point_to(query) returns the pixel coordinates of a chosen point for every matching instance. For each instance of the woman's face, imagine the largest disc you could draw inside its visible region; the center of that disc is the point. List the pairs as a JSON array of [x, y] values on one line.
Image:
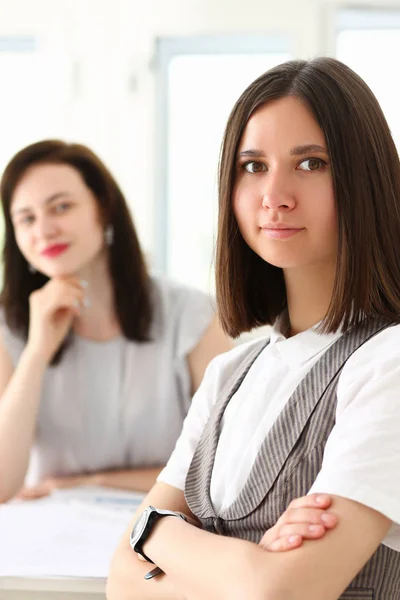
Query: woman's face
[[56, 220], [283, 194]]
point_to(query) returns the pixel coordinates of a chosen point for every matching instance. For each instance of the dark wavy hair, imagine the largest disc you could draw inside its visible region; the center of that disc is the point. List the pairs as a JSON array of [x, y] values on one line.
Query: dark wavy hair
[[128, 270], [366, 180]]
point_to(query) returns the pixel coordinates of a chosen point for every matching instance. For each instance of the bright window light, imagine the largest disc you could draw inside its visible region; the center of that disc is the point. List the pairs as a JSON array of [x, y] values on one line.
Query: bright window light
[[202, 90], [369, 42]]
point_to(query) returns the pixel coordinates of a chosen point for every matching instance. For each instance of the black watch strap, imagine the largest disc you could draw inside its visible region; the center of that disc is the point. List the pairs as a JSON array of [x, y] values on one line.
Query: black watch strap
[[154, 516]]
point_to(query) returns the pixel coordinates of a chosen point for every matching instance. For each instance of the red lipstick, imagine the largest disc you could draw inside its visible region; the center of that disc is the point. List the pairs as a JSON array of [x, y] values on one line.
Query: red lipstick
[[56, 250]]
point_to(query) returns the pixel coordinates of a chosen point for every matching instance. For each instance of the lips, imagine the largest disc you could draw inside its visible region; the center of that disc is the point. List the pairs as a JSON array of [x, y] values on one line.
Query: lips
[[280, 232], [55, 250], [279, 226]]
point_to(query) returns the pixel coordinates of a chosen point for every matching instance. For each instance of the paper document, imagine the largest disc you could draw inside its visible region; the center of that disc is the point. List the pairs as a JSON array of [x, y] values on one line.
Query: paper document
[[73, 533], [94, 496]]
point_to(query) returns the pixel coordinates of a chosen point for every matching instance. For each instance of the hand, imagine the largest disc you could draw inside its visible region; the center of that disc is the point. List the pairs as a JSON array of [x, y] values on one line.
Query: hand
[[52, 310], [45, 487], [304, 519]]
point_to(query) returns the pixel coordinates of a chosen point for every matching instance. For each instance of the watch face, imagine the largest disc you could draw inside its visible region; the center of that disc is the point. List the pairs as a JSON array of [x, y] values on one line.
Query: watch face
[[138, 528]]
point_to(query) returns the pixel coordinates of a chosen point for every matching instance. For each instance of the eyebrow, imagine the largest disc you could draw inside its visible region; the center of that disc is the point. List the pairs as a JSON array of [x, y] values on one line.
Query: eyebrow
[[307, 148], [295, 151], [252, 153], [48, 200]]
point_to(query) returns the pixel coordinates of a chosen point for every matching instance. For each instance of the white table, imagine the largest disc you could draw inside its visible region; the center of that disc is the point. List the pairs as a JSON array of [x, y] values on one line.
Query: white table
[[71, 588], [71, 535]]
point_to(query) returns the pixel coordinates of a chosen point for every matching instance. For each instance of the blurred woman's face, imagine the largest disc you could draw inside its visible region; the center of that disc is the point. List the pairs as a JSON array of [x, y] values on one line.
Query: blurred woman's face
[[57, 221]]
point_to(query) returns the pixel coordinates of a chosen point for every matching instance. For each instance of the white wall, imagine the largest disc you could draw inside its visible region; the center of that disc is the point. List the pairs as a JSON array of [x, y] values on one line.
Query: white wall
[[109, 47]]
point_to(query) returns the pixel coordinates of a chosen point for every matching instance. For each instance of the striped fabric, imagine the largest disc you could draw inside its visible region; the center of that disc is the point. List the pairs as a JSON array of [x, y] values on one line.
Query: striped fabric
[[288, 462]]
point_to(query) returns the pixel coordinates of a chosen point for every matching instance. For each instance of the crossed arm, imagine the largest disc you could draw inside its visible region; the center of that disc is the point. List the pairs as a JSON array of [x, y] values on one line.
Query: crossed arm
[[202, 565]]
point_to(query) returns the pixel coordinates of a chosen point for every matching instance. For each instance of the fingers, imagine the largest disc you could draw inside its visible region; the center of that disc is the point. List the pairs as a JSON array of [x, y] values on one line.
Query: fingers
[[81, 284], [46, 487], [292, 535], [311, 501], [60, 294], [312, 516], [311, 509], [285, 543], [306, 518], [72, 294], [70, 301], [305, 530], [71, 287], [33, 493]]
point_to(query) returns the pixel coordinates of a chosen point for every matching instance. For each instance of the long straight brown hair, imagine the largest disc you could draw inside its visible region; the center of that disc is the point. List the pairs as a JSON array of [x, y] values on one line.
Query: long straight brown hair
[[127, 266], [366, 181]]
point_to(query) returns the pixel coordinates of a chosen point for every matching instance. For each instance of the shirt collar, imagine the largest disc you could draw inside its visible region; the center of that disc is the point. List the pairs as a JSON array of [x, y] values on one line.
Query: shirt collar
[[302, 347]]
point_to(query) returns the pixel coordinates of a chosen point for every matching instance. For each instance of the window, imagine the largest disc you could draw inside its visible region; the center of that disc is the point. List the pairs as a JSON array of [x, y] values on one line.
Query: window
[[199, 81], [369, 42], [35, 97]]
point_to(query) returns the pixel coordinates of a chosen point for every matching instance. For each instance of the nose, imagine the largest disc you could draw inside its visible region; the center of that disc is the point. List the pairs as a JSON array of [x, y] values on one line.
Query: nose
[[276, 192], [45, 227]]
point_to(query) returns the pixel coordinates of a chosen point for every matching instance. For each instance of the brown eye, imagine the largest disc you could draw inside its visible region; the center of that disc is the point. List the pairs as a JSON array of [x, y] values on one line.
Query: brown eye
[[311, 164], [314, 164], [26, 220], [254, 167], [61, 208]]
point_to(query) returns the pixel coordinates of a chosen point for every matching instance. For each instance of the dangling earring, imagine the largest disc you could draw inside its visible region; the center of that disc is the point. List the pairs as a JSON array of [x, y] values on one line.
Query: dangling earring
[[109, 235], [31, 269]]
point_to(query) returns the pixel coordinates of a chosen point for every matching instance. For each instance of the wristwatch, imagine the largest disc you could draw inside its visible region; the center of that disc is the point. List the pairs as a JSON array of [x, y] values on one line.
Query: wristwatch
[[144, 526]]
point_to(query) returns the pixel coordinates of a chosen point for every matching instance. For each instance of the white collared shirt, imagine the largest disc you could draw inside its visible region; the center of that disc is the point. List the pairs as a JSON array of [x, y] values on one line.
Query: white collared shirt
[[362, 455]]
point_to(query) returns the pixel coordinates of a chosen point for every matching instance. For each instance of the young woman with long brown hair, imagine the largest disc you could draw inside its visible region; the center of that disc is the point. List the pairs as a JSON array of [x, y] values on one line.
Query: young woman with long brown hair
[[309, 230], [98, 359]]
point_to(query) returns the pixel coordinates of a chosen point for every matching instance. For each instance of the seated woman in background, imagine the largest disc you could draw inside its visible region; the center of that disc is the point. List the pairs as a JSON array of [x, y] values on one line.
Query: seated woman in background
[[308, 241], [98, 360]]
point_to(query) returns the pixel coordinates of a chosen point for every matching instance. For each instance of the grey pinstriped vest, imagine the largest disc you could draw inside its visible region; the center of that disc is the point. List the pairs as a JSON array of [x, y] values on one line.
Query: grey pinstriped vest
[[288, 462]]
